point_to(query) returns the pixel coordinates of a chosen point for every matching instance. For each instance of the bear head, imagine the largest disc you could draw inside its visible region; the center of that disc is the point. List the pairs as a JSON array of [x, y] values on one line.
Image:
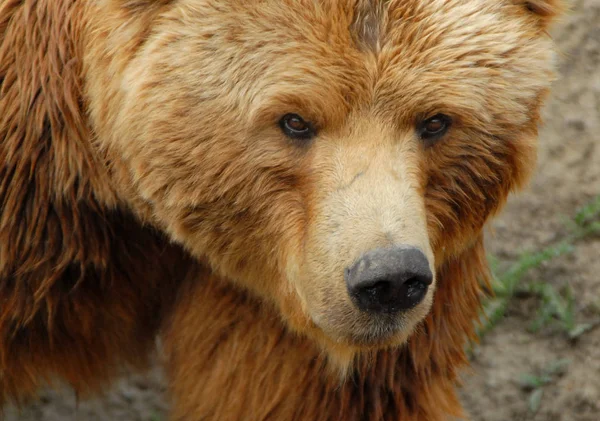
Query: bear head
[[327, 156]]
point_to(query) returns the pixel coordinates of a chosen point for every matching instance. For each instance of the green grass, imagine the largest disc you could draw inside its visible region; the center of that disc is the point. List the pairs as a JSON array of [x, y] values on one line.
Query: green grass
[[534, 383], [556, 307]]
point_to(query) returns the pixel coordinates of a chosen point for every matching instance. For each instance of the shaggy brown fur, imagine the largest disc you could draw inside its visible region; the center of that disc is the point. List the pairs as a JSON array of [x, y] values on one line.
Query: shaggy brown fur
[[125, 124], [230, 359], [82, 284]]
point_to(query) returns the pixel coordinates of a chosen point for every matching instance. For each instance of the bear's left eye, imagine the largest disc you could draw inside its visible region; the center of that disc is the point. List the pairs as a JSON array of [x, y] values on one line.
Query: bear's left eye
[[295, 127], [433, 128]]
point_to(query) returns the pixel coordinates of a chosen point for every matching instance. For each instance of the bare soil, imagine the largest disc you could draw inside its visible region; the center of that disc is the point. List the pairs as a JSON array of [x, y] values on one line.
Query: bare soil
[[568, 176]]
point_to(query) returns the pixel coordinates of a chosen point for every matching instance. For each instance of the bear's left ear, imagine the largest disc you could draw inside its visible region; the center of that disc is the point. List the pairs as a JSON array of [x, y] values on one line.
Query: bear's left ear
[[545, 10]]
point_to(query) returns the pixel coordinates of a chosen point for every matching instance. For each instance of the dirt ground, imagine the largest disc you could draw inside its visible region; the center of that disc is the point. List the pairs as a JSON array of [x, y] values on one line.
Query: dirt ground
[[568, 176]]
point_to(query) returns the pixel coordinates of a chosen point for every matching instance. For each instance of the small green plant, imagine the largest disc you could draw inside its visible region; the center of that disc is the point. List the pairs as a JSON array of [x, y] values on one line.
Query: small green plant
[[588, 216], [558, 308], [535, 383], [506, 285], [555, 306]]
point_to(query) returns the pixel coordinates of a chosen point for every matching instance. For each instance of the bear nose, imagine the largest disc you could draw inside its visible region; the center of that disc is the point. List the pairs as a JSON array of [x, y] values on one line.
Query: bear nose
[[389, 280]]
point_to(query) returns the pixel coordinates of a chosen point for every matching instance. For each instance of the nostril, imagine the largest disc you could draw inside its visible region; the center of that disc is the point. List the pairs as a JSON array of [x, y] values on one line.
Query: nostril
[[377, 296], [416, 286], [376, 291], [422, 280]]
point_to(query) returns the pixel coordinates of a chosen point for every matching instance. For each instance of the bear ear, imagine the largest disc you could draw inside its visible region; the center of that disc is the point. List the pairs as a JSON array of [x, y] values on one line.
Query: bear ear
[[546, 10]]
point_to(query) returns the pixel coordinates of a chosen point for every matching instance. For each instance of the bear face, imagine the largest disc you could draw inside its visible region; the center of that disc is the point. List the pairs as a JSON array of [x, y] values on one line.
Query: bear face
[[303, 149]]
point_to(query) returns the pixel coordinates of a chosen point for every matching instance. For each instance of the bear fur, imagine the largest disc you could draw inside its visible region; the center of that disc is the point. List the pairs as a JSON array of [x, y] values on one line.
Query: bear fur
[[82, 283], [144, 187], [230, 359]]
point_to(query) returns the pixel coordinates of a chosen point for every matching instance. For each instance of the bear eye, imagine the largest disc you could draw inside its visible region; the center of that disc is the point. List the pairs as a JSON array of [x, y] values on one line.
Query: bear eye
[[295, 127], [434, 127]]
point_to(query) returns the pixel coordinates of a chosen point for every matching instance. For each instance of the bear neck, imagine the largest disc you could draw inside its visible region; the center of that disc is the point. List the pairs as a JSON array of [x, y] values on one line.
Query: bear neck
[[230, 358]]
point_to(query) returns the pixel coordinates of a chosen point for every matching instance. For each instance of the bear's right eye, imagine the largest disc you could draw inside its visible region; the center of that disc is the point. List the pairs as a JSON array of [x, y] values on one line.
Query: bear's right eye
[[295, 127], [433, 128]]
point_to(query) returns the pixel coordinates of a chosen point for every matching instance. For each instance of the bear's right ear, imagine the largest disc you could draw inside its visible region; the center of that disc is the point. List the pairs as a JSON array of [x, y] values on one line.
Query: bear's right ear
[[545, 10]]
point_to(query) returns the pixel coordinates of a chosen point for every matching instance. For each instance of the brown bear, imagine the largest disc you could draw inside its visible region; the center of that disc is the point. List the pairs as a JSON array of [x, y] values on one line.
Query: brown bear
[[327, 166]]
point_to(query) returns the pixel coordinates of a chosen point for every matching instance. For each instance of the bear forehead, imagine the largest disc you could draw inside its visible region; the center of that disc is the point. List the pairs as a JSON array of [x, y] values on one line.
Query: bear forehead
[[405, 52], [418, 29], [423, 31]]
